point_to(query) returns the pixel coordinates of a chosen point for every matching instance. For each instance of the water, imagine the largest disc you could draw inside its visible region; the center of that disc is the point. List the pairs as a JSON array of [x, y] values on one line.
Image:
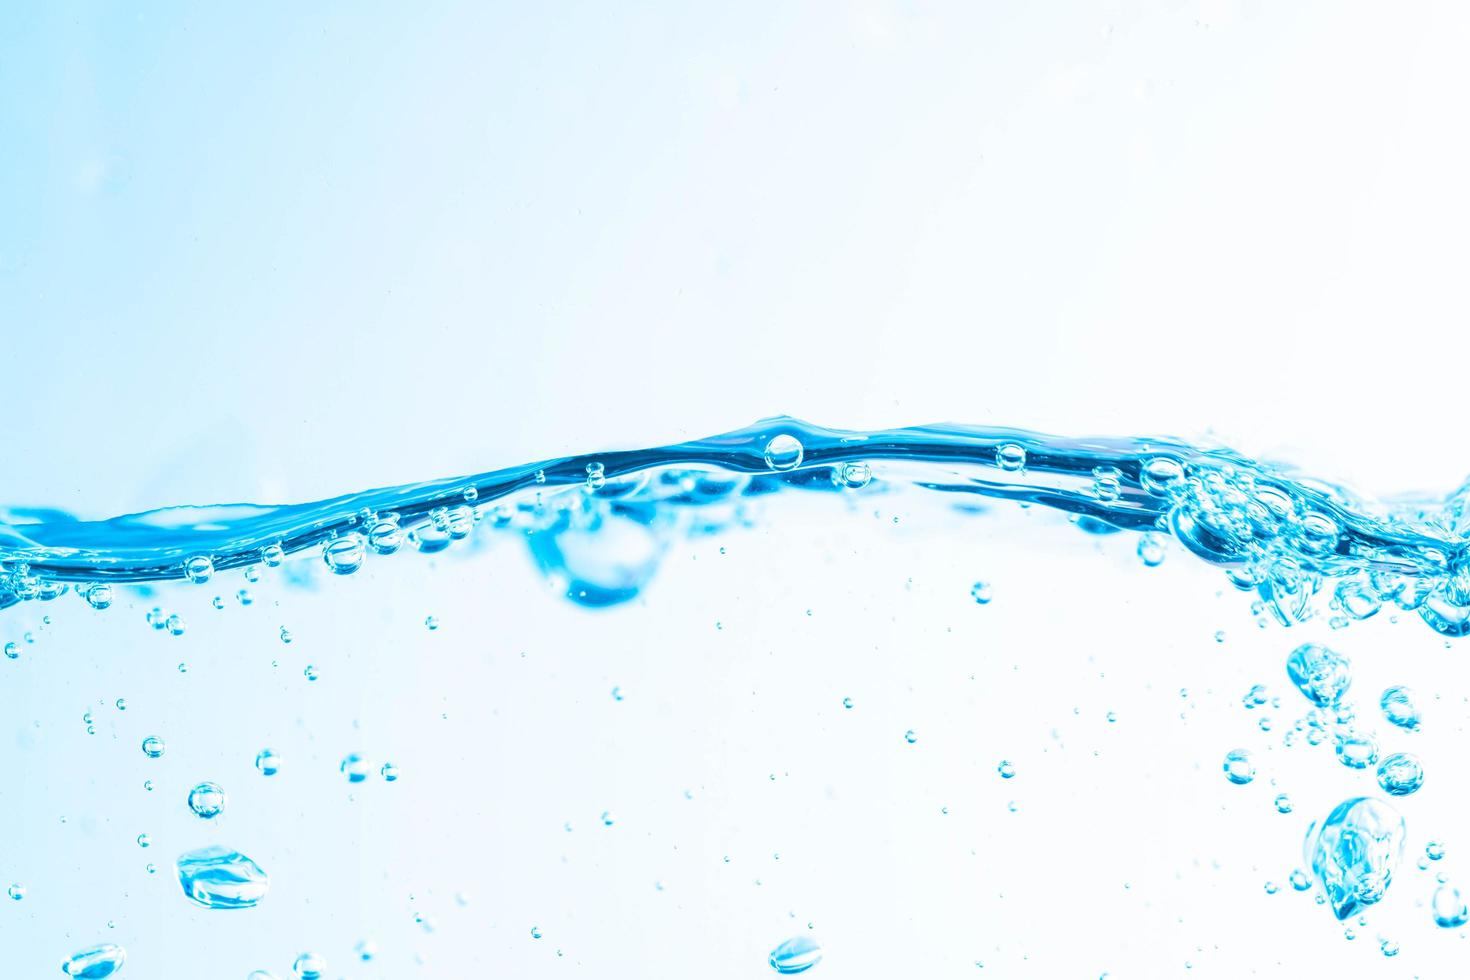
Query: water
[[863, 686]]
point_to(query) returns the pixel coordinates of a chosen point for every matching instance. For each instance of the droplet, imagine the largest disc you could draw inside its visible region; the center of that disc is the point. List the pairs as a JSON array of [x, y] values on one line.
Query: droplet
[[1449, 907], [98, 596], [1355, 852], [981, 593], [355, 768], [784, 452], [153, 746], [207, 800], [309, 966], [1321, 674], [389, 772], [1399, 708], [267, 762], [1239, 768], [1010, 457], [220, 878], [95, 962], [199, 569], [1400, 774], [796, 955], [344, 555], [1357, 750], [385, 537]]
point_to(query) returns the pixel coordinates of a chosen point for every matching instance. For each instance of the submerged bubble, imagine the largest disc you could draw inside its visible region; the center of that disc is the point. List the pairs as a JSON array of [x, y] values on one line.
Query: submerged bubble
[[207, 800], [389, 772], [981, 593], [309, 966], [910, 736], [796, 955], [1006, 769], [12, 650], [784, 452], [16, 891], [220, 878], [1399, 708], [267, 762], [1239, 768], [98, 596], [1400, 774], [1434, 850], [1010, 457], [199, 569], [1283, 803], [355, 768], [1299, 880], [596, 476], [176, 624], [1321, 674], [345, 555], [1357, 750], [153, 746], [95, 962], [273, 555], [1450, 911], [1355, 852]]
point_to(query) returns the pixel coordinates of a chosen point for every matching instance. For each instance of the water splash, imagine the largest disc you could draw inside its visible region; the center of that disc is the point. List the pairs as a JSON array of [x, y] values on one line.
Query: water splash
[[597, 523]]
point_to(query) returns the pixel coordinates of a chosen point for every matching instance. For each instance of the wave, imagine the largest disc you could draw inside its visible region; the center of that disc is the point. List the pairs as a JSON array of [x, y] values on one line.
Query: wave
[[599, 521]]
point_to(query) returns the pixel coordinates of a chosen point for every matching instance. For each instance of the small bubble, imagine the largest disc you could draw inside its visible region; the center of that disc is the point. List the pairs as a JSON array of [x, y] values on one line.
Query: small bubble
[[1151, 549], [1271, 888], [1357, 750], [355, 768], [273, 555], [12, 650], [309, 966], [1398, 707], [432, 622], [268, 762], [596, 476], [199, 569], [1300, 881], [207, 800], [910, 737], [1161, 475], [607, 818], [389, 772], [98, 596], [122, 705], [385, 537], [310, 673], [176, 624], [144, 840], [981, 593], [1239, 768], [1006, 769], [243, 597], [1283, 803], [16, 891], [1449, 907], [852, 476], [1389, 947], [153, 746], [1434, 850], [1010, 457], [1400, 774], [617, 694], [847, 702], [784, 452], [285, 635], [366, 950], [345, 555]]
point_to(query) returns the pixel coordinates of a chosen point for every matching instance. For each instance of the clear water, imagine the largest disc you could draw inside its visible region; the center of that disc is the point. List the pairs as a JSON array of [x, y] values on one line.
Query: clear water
[[785, 700]]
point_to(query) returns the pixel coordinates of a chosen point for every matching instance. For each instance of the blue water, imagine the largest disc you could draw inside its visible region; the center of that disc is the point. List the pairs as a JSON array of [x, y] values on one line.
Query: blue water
[[287, 730]]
